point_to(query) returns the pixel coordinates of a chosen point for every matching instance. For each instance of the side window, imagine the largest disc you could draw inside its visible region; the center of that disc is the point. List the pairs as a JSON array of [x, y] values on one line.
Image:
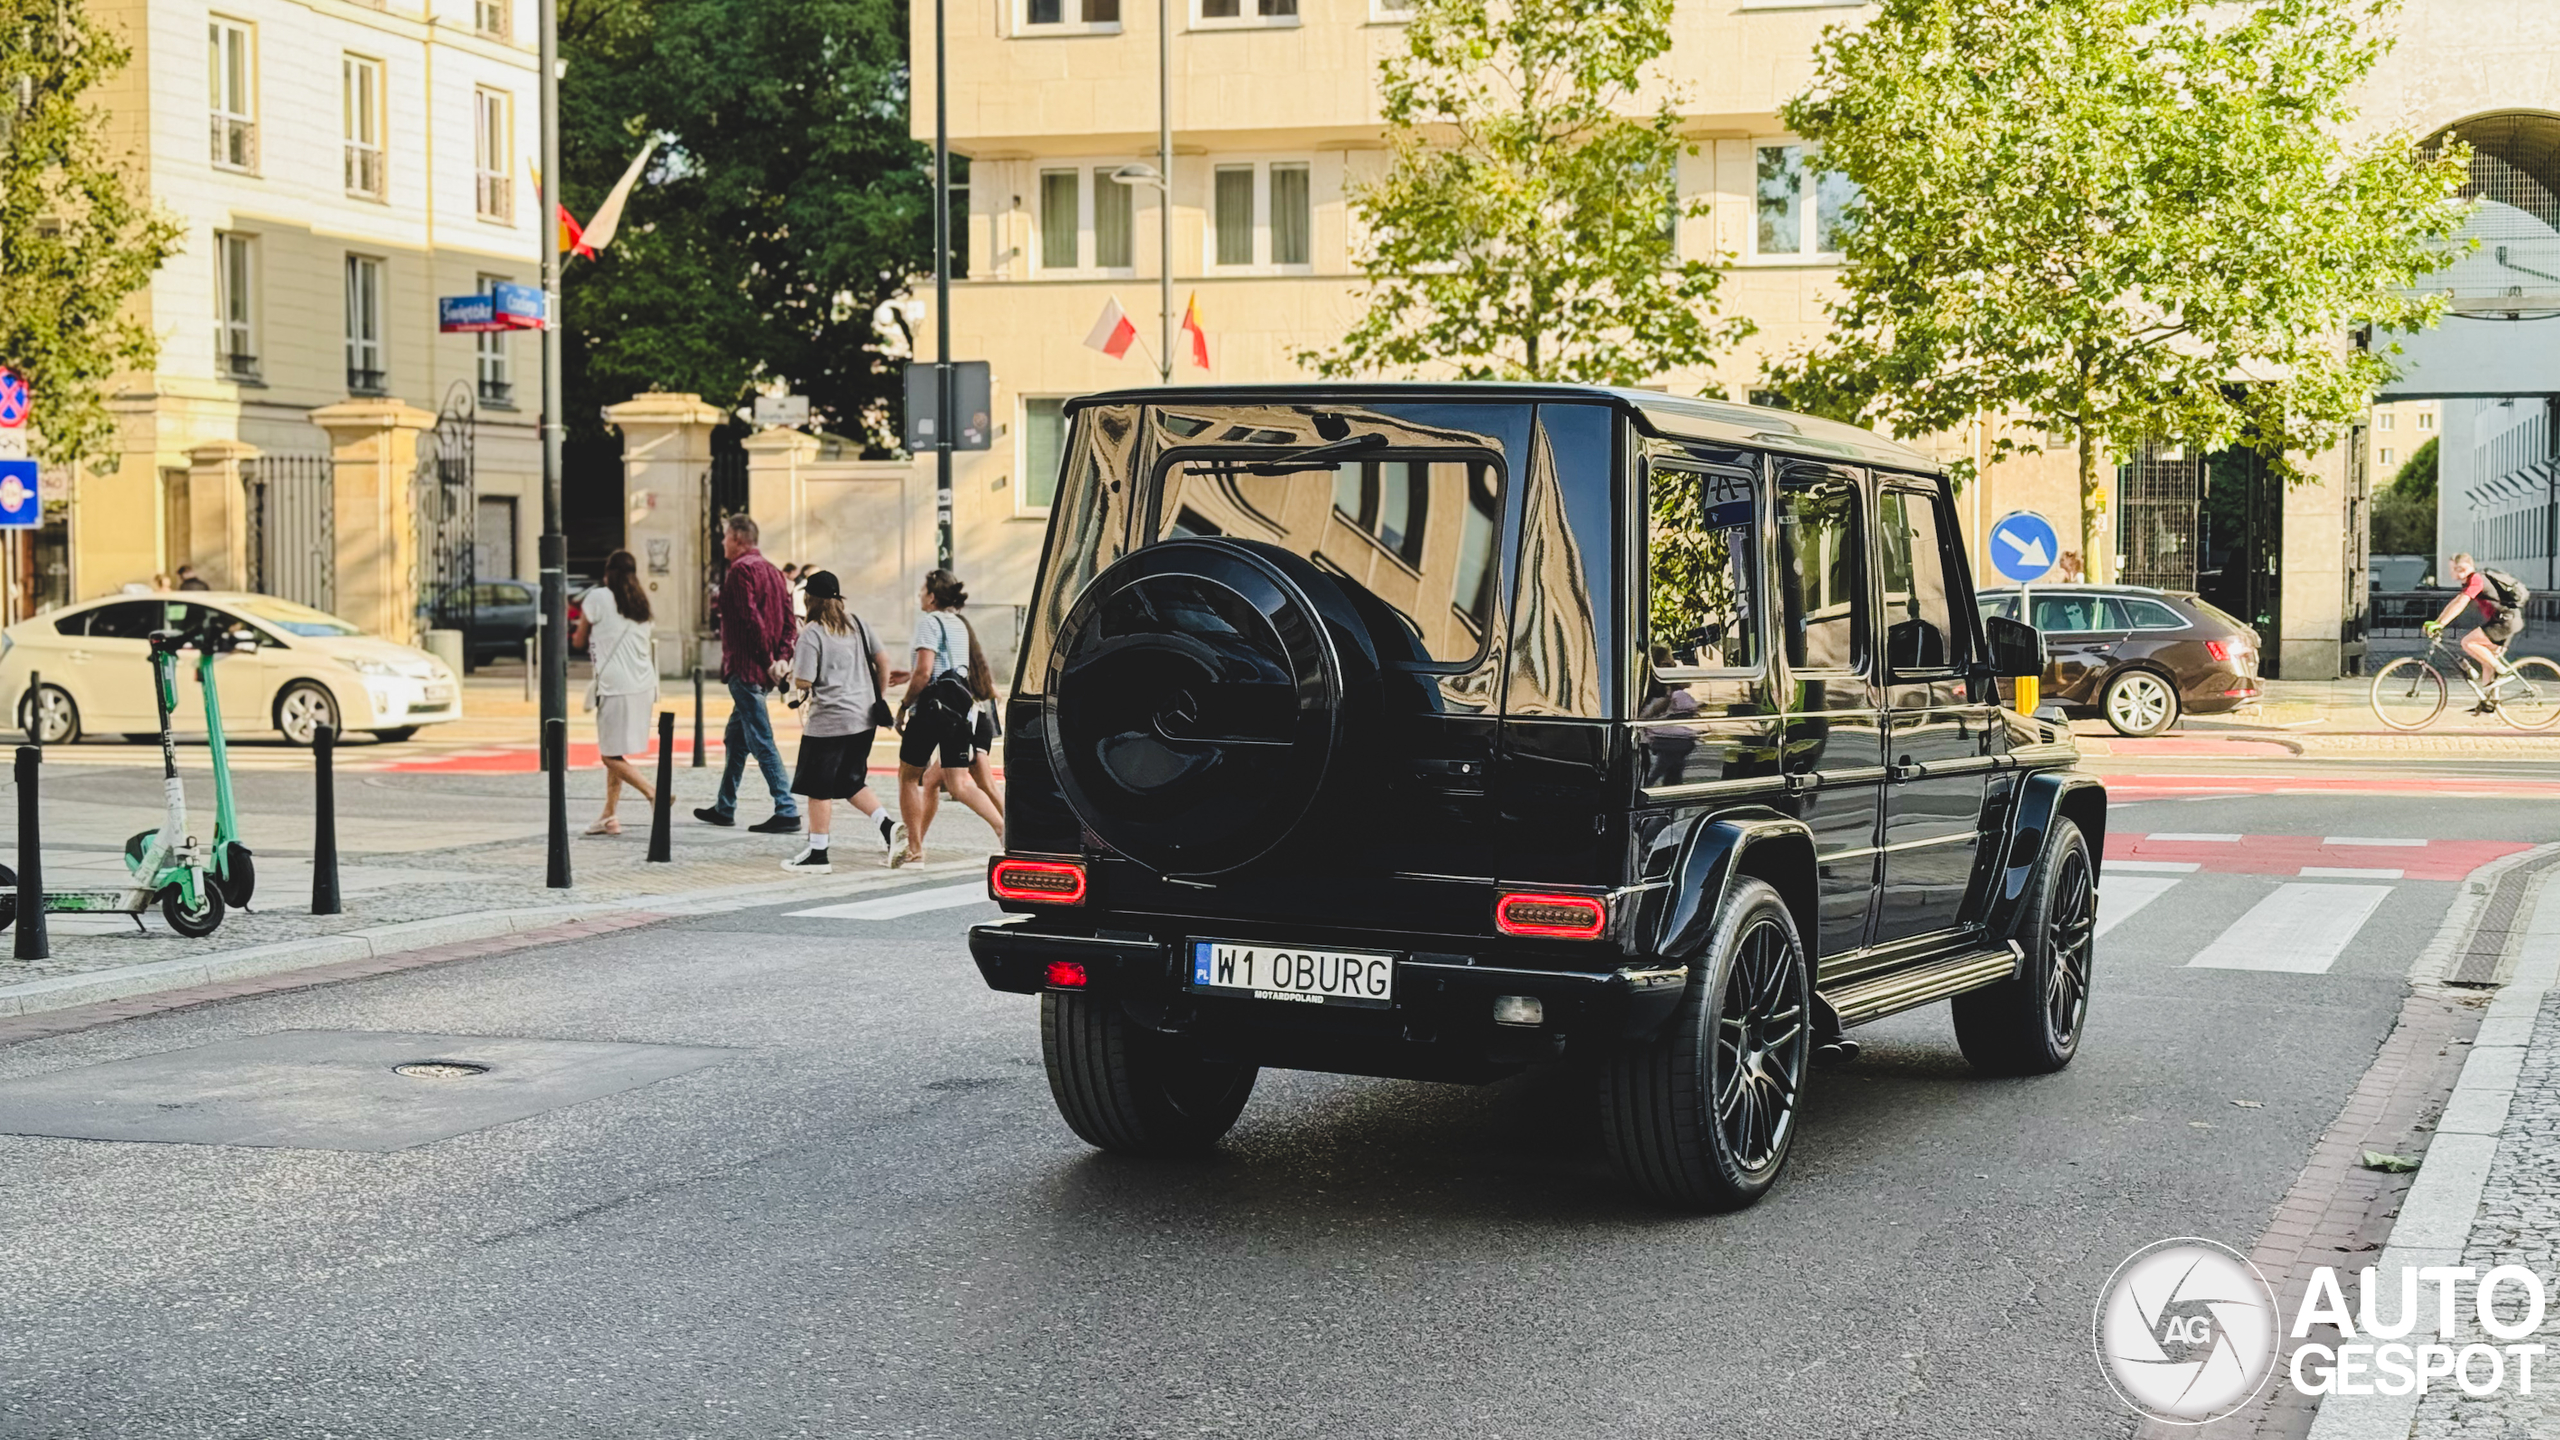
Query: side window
[[2066, 614], [1699, 613], [1920, 633], [134, 619], [2151, 615], [2004, 606], [72, 624], [1821, 580]]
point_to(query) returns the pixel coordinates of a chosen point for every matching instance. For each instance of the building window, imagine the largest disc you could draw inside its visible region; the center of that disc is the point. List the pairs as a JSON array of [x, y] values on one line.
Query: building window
[[2426, 420], [959, 217], [1044, 436], [1087, 219], [1115, 222], [361, 123], [1224, 14], [364, 325], [235, 337], [231, 68], [492, 18], [1061, 231], [493, 148], [1801, 211], [1069, 17], [2384, 420], [1394, 12], [2386, 454], [1262, 215], [497, 379]]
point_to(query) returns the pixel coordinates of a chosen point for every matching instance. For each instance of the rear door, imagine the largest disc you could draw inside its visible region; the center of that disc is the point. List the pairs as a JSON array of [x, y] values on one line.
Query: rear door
[[1833, 740], [2081, 633], [112, 664], [1939, 743]]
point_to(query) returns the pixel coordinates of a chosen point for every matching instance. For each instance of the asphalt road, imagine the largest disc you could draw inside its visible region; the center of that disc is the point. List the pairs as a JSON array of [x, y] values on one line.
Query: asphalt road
[[865, 1219]]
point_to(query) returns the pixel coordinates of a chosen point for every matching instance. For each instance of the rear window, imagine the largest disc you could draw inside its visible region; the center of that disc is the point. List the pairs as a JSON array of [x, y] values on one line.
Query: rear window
[[2151, 615], [1418, 533]]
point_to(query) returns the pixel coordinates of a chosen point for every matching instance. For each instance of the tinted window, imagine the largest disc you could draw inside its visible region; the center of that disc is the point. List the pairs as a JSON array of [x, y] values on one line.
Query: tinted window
[[1417, 535], [1821, 584], [1698, 609], [2151, 615], [1920, 631], [2073, 614], [136, 619], [2004, 606]]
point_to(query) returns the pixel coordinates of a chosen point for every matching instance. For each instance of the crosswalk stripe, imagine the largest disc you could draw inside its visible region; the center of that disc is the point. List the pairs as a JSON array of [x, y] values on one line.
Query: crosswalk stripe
[[2157, 867], [890, 907], [2118, 899], [2300, 929], [2195, 838], [2348, 872], [2367, 840]]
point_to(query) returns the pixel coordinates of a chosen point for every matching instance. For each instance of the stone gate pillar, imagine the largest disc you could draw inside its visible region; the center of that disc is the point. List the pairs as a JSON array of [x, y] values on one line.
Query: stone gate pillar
[[666, 485], [778, 493], [217, 538], [373, 449]]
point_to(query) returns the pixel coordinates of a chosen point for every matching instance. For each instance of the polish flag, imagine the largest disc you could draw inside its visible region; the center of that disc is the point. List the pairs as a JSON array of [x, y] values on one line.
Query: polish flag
[[1112, 334], [1191, 327]]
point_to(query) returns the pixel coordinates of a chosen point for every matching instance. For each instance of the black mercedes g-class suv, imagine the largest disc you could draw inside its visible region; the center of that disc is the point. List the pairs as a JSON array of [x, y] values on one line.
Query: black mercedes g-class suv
[[1435, 730]]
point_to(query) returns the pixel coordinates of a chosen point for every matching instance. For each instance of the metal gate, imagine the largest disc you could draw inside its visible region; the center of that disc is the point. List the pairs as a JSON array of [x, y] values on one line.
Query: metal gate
[[444, 492], [293, 528], [2160, 495], [724, 493]]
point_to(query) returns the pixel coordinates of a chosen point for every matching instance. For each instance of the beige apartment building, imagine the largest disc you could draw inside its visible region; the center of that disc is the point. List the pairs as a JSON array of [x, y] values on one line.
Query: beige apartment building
[[1275, 113], [337, 166]]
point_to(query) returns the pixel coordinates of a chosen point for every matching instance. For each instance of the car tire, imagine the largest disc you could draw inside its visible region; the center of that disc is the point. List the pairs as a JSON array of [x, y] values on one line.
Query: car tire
[[59, 712], [1692, 1120], [302, 708], [1129, 1090], [2031, 1023], [2139, 702], [394, 735]]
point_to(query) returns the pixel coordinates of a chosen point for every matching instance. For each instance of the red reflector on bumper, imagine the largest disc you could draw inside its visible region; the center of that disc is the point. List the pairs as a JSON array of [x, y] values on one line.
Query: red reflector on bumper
[[1065, 975], [1048, 882], [1551, 917]]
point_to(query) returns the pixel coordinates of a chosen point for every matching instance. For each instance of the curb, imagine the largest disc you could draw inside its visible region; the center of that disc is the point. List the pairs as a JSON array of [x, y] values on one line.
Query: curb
[[62, 992]]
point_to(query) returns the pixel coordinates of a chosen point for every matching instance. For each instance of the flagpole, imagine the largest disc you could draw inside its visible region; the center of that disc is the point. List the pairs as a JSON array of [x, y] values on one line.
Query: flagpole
[[555, 545], [1164, 193], [943, 399]]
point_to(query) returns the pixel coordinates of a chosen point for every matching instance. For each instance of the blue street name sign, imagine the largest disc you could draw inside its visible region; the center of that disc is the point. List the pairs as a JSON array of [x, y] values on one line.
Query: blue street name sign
[[21, 496], [505, 307], [2024, 546]]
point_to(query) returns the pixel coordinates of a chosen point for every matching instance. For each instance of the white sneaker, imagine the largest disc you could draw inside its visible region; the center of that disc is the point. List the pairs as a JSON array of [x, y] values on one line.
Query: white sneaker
[[895, 846]]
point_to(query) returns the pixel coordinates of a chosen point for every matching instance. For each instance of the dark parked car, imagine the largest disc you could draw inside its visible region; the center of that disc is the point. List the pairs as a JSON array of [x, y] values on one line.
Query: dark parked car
[[2135, 656], [1441, 730], [496, 616]]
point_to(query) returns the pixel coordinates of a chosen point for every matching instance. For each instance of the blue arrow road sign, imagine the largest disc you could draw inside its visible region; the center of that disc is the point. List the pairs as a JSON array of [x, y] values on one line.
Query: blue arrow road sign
[[2023, 546], [21, 498]]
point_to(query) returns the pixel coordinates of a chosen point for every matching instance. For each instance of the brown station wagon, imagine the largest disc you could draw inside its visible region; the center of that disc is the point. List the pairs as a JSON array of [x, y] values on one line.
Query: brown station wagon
[[2134, 656]]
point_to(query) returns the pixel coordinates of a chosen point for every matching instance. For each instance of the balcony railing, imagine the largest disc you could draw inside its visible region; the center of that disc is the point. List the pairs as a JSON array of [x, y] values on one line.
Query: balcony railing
[[235, 142], [363, 382], [497, 196], [364, 169]]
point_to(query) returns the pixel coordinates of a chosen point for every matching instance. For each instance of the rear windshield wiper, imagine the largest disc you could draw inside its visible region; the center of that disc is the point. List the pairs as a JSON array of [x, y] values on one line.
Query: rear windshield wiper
[[1314, 457]]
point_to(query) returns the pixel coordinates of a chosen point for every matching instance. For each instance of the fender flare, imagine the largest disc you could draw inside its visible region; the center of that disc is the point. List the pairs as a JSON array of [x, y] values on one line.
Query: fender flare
[[1713, 854], [2043, 797]]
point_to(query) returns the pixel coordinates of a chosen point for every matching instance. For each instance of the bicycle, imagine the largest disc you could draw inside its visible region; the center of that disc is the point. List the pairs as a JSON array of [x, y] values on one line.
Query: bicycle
[[2409, 693]]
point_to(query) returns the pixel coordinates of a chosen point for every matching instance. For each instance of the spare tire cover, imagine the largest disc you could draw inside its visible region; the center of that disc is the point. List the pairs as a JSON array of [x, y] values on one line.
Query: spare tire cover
[[1195, 701]]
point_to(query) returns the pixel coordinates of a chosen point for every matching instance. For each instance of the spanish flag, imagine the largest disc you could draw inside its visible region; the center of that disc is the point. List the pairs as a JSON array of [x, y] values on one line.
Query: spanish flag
[[1191, 327]]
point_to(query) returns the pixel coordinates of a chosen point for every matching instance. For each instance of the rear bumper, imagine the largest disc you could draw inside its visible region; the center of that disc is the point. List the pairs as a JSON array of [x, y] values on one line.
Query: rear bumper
[[1440, 1025]]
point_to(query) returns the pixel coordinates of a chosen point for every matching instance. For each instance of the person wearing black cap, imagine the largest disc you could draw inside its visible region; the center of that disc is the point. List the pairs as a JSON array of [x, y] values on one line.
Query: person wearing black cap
[[841, 674]]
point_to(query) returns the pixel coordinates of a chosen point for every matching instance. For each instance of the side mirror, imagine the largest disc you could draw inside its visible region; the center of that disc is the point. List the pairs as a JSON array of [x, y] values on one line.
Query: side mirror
[[2016, 648]]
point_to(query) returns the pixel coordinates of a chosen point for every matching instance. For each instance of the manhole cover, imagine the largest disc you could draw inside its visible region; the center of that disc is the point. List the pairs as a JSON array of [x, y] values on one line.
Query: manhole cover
[[440, 1069]]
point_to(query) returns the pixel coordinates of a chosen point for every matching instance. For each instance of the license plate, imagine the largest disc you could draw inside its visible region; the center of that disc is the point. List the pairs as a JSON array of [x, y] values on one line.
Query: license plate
[[1279, 972], [439, 694]]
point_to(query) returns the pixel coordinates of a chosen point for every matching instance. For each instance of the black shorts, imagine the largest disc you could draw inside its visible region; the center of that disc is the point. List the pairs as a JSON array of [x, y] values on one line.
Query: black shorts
[[934, 732], [833, 767], [983, 734], [2503, 629]]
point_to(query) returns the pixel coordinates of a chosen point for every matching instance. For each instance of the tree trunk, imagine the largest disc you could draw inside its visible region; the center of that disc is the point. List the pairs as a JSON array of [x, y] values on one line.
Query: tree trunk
[[2097, 555]]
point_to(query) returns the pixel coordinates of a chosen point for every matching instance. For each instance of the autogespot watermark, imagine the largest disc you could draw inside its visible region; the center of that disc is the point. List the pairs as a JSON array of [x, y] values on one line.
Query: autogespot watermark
[[2188, 1331]]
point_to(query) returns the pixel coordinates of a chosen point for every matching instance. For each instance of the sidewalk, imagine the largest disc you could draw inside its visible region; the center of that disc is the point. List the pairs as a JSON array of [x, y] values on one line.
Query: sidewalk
[[2322, 718]]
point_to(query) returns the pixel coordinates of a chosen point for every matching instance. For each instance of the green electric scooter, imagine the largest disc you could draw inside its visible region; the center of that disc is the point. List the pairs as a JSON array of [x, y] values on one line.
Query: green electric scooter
[[233, 868]]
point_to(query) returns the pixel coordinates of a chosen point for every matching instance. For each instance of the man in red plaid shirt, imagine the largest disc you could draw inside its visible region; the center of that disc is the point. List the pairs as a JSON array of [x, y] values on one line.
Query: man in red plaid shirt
[[756, 630]]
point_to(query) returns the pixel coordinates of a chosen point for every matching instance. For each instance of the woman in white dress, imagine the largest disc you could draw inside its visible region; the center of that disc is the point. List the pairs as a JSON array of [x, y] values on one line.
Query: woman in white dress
[[613, 624]]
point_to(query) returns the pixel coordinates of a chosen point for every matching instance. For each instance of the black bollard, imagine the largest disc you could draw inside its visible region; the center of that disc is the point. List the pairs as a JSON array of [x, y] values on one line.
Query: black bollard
[[324, 821], [697, 717], [555, 753], [27, 707], [662, 815], [33, 942]]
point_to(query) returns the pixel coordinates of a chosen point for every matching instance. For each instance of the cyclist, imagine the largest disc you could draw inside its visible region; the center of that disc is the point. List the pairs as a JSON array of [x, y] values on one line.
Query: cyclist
[[2500, 623]]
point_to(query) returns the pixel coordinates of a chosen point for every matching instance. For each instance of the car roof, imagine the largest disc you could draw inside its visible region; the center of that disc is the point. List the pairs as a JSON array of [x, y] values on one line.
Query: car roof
[[1672, 416], [2076, 587]]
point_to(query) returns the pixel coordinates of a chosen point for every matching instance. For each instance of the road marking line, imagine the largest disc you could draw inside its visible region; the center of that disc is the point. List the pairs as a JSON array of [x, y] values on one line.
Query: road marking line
[[2366, 840], [2194, 839], [2118, 899], [2300, 929], [2348, 872], [2157, 867], [890, 907]]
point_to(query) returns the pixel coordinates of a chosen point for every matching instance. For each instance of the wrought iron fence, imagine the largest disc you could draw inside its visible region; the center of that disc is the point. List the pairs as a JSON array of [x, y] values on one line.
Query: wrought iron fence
[[293, 528]]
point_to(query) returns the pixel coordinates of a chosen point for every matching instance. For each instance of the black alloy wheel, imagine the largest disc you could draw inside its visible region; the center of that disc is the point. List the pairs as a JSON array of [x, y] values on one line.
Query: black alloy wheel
[[1763, 1029], [2031, 1023]]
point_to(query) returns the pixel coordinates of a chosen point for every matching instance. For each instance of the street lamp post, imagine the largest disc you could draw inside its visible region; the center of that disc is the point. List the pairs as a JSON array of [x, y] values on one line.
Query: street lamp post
[[555, 545], [943, 398]]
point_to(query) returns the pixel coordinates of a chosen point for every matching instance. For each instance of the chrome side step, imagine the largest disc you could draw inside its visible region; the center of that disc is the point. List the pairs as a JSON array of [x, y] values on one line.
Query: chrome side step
[[1874, 999]]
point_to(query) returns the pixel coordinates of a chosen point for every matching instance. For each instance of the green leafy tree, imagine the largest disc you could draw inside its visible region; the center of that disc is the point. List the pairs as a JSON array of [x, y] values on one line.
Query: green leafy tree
[[2118, 221], [2404, 512], [78, 236], [1524, 226], [785, 204]]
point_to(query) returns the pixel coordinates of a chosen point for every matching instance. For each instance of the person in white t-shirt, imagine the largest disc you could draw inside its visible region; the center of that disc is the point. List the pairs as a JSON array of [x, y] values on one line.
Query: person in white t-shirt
[[613, 625], [934, 717]]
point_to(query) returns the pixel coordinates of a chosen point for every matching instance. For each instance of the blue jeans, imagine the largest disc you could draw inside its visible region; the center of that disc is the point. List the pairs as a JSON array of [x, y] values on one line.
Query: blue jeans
[[751, 730]]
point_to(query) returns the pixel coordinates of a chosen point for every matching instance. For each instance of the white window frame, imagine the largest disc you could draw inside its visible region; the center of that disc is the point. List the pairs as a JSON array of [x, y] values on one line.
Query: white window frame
[[1091, 176], [1023, 509], [368, 278], [2426, 420], [1808, 211], [1261, 263], [493, 146], [2386, 455], [226, 36], [1024, 29], [1248, 17], [358, 113], [502, 11], [1390, 12], [2385, 420], [490, 361], [235, 334]]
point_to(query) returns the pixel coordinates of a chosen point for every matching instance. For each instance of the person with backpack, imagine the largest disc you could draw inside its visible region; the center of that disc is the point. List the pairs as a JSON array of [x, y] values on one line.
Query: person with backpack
[[756, 636], [2501, 598], [935, 719], [842, 675]]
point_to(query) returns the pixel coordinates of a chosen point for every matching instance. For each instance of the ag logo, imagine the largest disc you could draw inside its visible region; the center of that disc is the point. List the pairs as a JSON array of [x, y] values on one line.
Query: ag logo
[[2186, 1331]]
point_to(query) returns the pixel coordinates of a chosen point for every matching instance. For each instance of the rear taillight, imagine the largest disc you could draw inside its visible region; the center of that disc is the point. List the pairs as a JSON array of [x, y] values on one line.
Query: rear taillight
[[2218, 649], [1045, 882], [1551, 917], [1066, 975]]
